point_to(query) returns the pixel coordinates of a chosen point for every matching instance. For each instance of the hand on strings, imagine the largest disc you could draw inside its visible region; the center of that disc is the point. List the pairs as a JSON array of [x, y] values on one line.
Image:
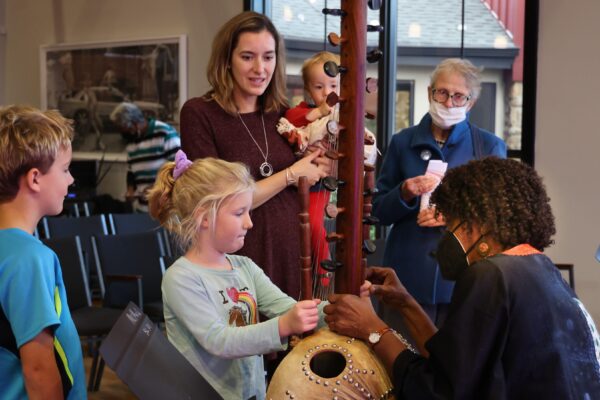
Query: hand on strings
[[323, 162], [365, 289], [414, 187], [387, 287], [302, 317], [428, 219], [309, 168], [322, 145], [351, 315]]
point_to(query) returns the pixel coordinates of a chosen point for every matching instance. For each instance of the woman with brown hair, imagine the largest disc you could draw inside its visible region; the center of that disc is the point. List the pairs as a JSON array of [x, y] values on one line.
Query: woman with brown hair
[[236, 121]]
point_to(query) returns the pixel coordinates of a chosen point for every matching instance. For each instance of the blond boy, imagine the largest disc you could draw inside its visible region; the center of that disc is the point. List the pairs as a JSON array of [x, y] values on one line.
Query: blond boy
[[40, 352]]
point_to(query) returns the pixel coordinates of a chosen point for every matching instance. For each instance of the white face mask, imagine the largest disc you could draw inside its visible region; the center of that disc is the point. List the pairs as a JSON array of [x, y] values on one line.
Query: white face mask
[[446, 117]]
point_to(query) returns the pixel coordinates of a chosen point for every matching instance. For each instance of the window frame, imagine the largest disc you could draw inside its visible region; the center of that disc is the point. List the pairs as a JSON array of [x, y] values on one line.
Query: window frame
[[388, 72]]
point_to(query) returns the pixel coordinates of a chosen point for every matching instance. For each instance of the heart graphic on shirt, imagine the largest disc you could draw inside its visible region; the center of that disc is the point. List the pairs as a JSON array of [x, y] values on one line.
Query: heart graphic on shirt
[[233, 294]]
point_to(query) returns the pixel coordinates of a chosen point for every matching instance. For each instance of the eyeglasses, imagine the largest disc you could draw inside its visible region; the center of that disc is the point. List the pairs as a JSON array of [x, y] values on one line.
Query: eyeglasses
[[442, 95]]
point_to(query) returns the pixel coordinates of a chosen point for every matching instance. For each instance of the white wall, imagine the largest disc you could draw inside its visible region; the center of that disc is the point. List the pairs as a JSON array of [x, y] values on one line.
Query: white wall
[[33, 23], [567, 137]]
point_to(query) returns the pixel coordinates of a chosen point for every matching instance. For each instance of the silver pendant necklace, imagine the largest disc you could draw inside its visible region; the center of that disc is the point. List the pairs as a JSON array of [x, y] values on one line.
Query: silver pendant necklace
[[266, 169]]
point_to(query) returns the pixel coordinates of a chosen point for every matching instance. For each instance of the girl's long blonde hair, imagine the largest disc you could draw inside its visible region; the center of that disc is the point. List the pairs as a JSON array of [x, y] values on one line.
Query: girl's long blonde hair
[[178, 204]]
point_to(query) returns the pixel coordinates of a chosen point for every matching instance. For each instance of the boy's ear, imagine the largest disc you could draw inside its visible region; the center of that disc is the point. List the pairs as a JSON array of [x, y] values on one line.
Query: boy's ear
[[32, 180]]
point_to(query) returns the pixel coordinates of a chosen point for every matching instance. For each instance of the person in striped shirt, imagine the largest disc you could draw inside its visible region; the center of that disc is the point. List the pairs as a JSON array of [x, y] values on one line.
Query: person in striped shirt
[[151, 144]]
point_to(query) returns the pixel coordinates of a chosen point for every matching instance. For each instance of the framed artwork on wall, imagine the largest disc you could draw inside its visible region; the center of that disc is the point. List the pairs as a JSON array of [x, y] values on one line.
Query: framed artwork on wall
[[86, 81]]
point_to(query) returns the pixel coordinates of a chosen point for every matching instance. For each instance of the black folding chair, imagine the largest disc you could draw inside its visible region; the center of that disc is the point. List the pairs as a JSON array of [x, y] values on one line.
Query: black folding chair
[[132, 268], [92, 323], [76, 209], [174, 249], [138, 223], [85, 228], [570, 271], [132, 223]]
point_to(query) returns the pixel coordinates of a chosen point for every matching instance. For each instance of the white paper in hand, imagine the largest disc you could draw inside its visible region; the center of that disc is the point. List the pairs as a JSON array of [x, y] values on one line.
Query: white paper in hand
[[437, 169]]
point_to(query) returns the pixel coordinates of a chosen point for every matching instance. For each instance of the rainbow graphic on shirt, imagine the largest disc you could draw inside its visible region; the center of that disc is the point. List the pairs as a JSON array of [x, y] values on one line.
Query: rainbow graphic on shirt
[[248, 300]]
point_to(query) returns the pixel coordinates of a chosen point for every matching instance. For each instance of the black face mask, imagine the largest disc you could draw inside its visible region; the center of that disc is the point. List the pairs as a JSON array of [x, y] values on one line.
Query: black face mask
[[451, 257]]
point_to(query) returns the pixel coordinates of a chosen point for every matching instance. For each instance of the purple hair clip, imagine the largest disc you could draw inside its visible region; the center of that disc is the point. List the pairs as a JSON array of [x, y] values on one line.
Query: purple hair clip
[[181, 164]]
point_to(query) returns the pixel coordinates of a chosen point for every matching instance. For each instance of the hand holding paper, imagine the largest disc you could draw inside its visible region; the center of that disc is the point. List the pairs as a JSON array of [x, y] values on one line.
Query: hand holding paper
[[416, 186], [436, 169]]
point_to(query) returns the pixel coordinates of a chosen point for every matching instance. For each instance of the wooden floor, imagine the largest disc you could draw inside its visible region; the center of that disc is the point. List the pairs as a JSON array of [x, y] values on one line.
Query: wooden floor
[[111, 387]]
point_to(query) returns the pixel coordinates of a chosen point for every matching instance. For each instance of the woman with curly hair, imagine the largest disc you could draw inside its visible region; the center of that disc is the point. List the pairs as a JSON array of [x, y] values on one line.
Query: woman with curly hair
[[515, 329]]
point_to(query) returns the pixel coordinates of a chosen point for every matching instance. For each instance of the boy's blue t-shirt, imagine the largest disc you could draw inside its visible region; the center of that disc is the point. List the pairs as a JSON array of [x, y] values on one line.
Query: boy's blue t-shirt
[[32, 298]]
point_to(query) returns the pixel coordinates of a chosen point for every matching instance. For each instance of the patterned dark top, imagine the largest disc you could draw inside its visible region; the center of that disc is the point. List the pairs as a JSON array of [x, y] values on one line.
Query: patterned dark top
[[515, 330]]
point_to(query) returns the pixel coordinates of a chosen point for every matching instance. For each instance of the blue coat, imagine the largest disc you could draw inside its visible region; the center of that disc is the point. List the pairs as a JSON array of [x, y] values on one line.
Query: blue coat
[[408, 247]]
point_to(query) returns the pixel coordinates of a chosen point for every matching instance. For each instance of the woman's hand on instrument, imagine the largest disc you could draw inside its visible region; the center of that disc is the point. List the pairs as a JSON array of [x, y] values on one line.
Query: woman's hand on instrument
[[428, 219], [311, 166], [350, 315], [387, 287], [414, 187], [319, 145], [302, 317], [365, 289], [323, 162]]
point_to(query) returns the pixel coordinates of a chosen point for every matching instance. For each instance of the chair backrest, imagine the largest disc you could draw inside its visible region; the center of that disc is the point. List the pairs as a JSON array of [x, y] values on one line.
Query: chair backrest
[[70, 255], [173, 248], [131, 254], [138, 223], [570, 271], [85, 228], [132, 223]]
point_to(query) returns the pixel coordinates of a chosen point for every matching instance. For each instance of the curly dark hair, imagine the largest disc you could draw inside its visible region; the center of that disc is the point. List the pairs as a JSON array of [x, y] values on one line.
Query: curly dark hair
[[505, 196]]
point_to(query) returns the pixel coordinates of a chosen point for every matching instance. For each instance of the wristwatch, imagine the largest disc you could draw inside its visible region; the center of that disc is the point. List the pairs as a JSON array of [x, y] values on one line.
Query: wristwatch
[[375, 337]]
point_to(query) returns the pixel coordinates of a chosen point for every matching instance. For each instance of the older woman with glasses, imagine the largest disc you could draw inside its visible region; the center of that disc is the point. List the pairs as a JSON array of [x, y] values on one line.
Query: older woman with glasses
[[443, 134], [515, 329]]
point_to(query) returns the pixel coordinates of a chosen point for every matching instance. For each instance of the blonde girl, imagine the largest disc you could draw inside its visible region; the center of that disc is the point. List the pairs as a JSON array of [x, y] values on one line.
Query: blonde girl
[[212, 298]]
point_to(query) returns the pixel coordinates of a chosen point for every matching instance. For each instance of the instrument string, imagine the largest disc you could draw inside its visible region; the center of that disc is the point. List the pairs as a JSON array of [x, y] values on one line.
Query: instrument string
[[324, 280]]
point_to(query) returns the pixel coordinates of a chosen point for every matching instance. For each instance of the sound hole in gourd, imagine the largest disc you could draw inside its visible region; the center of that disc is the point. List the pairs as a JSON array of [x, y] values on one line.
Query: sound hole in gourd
[[328, 364]]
